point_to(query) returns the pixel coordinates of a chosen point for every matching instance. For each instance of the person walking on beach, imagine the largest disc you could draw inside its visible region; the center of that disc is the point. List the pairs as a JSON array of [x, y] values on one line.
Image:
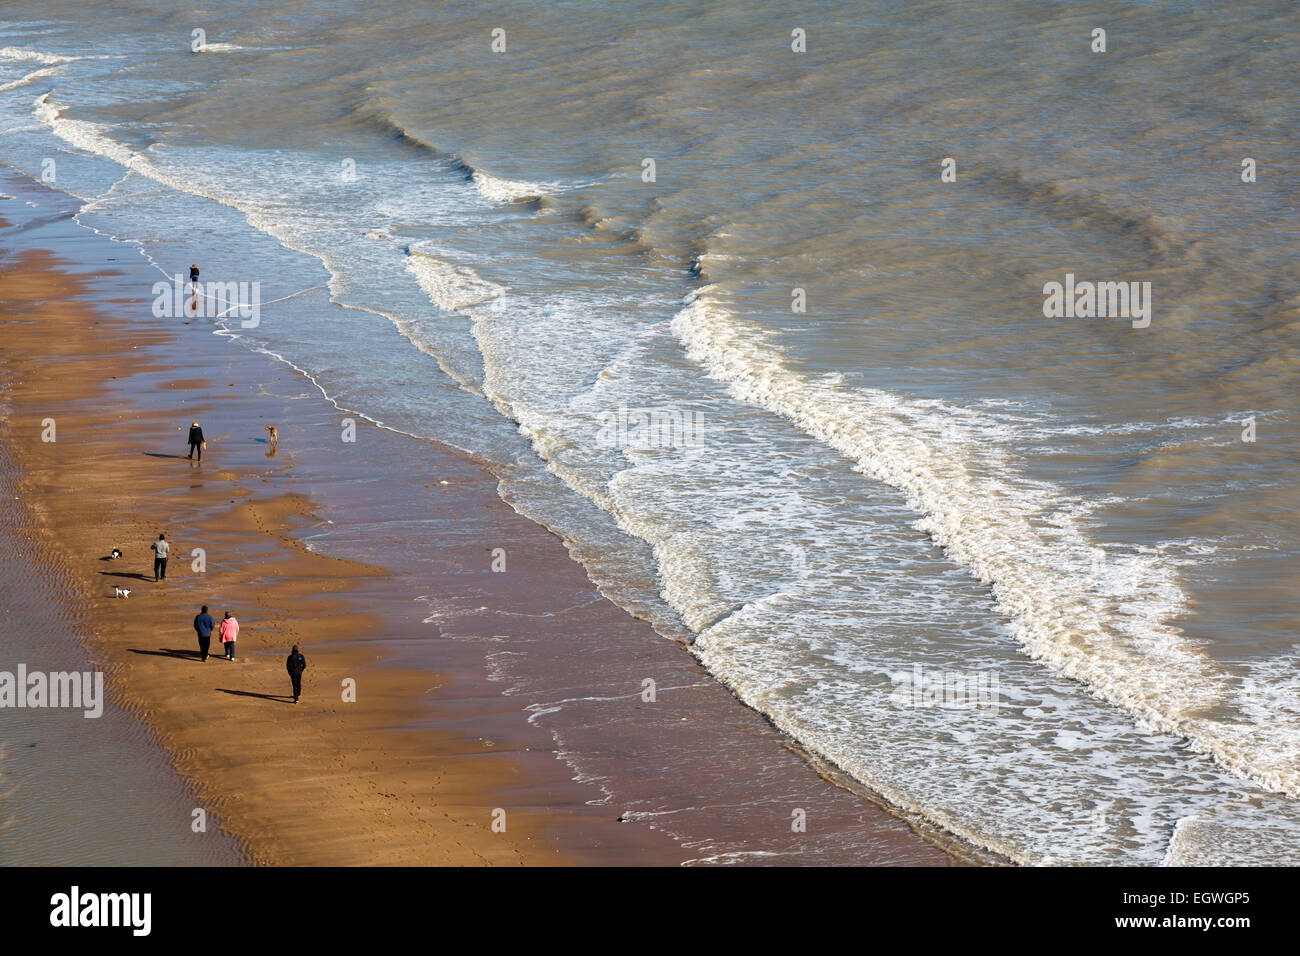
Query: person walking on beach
[[203, 625], [229, 632], [194, 288], [160, 549], [295, 665], [197, 444]]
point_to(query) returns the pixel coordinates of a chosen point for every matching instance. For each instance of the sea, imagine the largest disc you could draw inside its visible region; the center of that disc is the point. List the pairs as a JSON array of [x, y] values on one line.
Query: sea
[[929, 370]]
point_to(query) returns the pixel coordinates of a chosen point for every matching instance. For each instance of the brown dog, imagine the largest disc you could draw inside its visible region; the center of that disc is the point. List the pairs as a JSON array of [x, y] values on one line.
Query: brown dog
[[272, 434]]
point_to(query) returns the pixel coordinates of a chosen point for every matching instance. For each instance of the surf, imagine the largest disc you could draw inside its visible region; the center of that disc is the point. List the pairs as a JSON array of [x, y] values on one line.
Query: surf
[[1015, 536]]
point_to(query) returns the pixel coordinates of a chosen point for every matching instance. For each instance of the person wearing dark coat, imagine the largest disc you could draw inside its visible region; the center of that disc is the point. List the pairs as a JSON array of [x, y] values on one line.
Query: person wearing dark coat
[[203, 625], [295, 664], [197, 444]]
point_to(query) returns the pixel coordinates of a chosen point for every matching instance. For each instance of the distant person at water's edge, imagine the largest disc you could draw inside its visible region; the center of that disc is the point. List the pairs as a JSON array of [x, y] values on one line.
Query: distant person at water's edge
[[197, 443]]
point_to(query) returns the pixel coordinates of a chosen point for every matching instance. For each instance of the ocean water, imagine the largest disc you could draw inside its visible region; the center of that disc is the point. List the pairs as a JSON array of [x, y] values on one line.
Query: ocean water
[[794, 397]]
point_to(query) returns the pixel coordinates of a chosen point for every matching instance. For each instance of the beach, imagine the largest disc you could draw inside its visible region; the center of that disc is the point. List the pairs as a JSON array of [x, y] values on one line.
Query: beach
[[729, 437], [304, 543], [320, 783]]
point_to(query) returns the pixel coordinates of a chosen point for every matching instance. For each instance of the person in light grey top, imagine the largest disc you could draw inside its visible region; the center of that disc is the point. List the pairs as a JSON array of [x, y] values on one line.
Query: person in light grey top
[[160, 549]]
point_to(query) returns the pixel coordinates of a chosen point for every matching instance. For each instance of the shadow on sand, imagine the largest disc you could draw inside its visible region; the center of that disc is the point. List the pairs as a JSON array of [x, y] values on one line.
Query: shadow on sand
[[185, 655], [282, 698], [127, 574]]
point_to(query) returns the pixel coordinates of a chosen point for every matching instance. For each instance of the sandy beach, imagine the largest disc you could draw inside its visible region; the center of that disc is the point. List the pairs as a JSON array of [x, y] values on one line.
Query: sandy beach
[[313, 542], [292, 782]]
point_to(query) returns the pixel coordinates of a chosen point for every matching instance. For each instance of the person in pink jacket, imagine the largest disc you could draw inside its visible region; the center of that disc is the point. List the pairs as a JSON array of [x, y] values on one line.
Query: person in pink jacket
[[229, 632]]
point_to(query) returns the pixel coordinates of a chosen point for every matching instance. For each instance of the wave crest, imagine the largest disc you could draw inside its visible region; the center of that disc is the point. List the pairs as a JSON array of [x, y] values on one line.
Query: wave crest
[[1087, 614]]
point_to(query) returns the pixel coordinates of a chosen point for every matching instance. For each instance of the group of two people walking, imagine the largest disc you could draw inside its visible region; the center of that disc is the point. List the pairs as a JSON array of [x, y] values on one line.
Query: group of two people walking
[[228, 633]]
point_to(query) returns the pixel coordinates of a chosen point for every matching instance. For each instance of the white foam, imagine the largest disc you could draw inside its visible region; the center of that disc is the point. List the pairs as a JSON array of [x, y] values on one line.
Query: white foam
[[1014, 535], [14, 53], [1231, 833], [32, 77], [451, 287], [84, 135], [496, 189]]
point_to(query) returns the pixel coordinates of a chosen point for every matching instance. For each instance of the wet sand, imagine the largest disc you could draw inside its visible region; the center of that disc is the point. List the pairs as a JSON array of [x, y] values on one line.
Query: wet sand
[[319, 782], [374, 555], [97, 791]]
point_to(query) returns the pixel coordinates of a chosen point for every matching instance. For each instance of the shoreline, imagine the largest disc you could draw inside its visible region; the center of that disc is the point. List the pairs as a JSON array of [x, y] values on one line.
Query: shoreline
[[260, 776], [327, 518]]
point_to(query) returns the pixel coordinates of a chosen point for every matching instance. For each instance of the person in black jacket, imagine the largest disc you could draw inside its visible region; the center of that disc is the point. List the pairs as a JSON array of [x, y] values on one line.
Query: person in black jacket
[[295, 665], [197, 444]]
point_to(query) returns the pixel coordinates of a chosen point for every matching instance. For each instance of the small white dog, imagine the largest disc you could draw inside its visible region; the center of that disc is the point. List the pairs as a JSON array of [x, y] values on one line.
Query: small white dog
[[123, 592]]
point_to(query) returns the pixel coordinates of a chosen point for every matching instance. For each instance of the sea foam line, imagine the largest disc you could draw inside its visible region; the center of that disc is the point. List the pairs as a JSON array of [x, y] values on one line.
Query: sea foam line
[[15, 53], [497, 189], [1013, 535], [32, 78], [91, 138], [454, 288]]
